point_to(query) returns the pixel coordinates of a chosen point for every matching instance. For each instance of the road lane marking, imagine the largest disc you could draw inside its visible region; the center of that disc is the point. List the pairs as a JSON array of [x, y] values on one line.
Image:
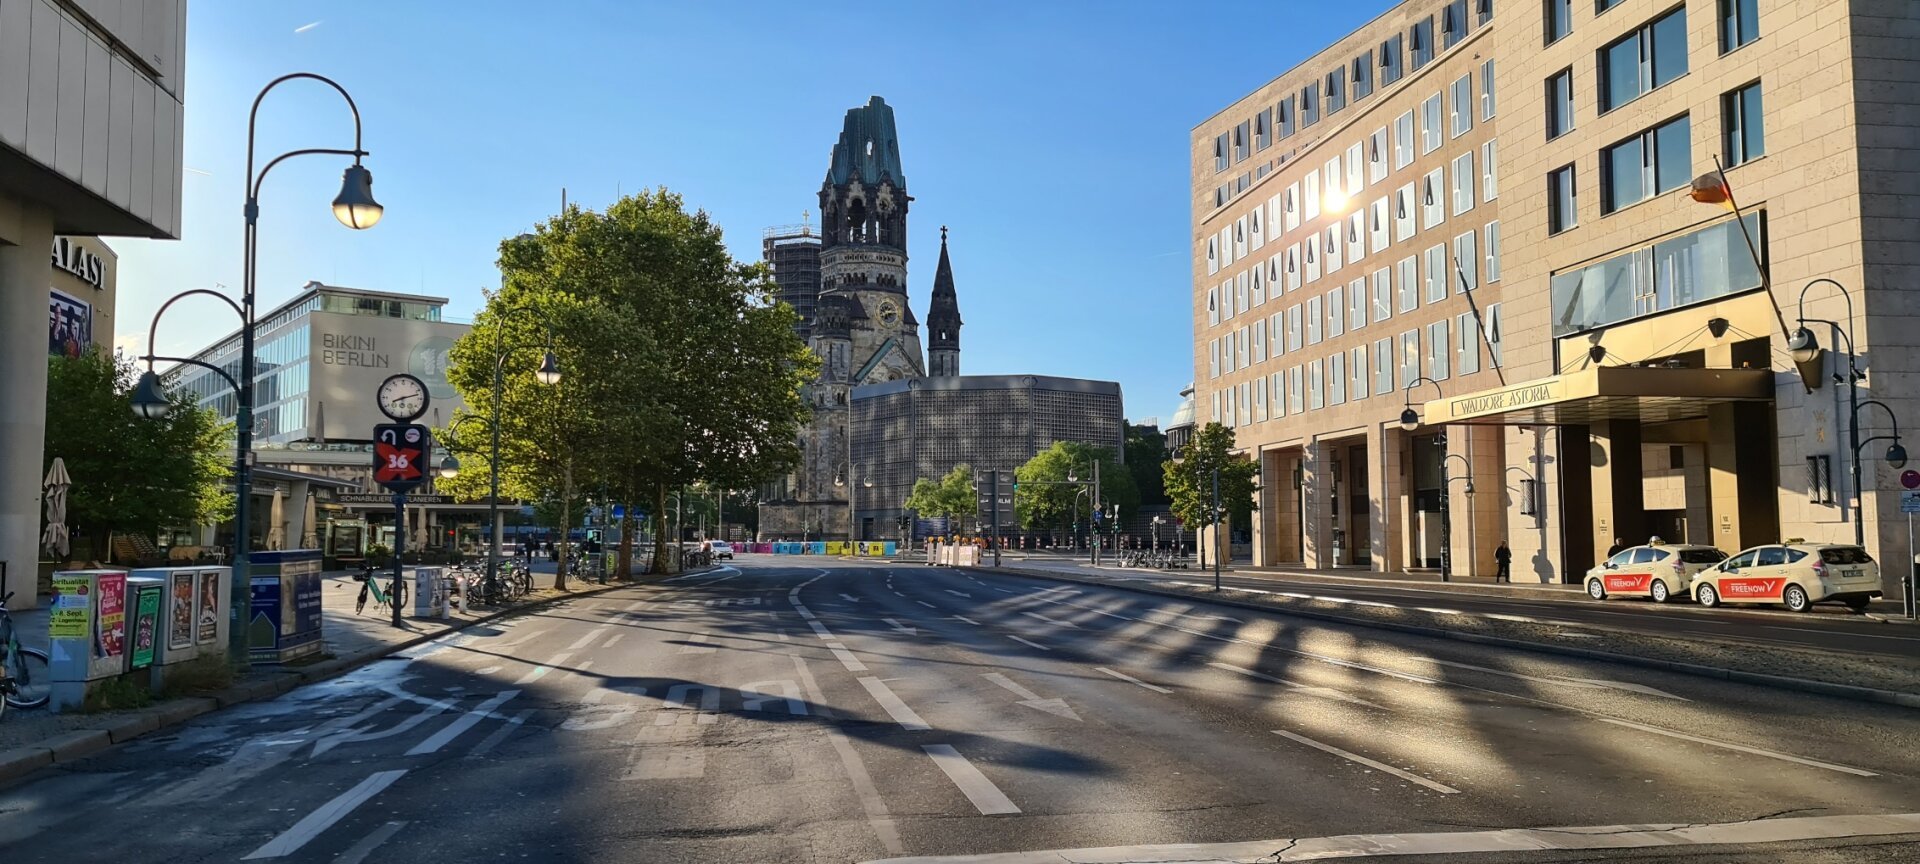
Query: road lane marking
[[926, 604], [846, 658], [462, 723], [697, 644], [1783, 830], [1030, 699], [863, 788], [895, 708], [494, 738], [320, 820], [901, 628], [614, 638], [1054, 622], [540, 672], [1325, 692], [986, 797], [524, 638], [850, 598], [1377, 766], [1567, 682], [1131, 680], [968, 620], [429, 711], [358, 852], [820, 629], [589, 637], [1857, 772], [1029, 643], [959, 594]]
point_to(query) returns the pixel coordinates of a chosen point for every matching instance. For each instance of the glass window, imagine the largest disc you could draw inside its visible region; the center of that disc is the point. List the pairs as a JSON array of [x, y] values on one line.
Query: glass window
[[1403, 218], [1382, 295], [1492, 265], [1703, 265], [1313, 320], [1409, 284], [1771, 556], [1484, 11], [1624, 168], [1467, 344], [1337, 378], [1311, 258], [1453, 23], [1436, 273], [1336, 89], [1332, 247], [1362, 76], [1357, 303], [1466, 259], [1390, 66], [1213, 307], [1283, 117], [1310, 194], [1560, 103], [1430, 134], [1316, 386], [1278, 383], [1242, 142], [1644, 555], [1213, 358], [1433, 199], [1259, 343], [1439, 350], [1381, 234], [1489, 184], [1486, 90], [1409, 358], [1336, 311], [1647, 164], [1357, 374], [1460, 104], [1293, 327], [1562, 203], [1377, 155], [1494, 333], [1296, 402], [1702, 556], [1403, 141], [1464, 180], [1600, 6], [1420, 42], [1356, 169], [1744, 559], [1310, 105], [1559, 19], [1744, 124], [1263, 130], [1739, 23], [1383, 366], [1644, 60]]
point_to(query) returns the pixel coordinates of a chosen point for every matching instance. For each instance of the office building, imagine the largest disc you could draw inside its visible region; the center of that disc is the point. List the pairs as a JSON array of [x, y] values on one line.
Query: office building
[[1497, 196]]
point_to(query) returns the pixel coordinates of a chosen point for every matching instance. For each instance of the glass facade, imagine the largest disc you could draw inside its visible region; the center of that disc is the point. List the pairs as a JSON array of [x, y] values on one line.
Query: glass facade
[[1693, 268]]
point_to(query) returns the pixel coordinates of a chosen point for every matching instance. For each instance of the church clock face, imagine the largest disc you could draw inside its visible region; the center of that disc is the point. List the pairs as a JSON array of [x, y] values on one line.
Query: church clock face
[[889, 314]]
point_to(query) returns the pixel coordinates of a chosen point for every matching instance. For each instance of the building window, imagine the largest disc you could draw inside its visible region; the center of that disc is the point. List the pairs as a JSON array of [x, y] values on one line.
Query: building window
[[1390, 67], [1559, 19], [1486, 90], [1295, 402], [1403, 214], [1433, 203], [1646, 165], [1221, 161], [1381, 235], [1560, 104], [1242, 348], [1357, 303], [1316, 386], [1277, 383], [1337, 378], [1697, 267], [1336, 311], [1600, 6], [1466, 258], [1644, 60], [1213, 307], [1283, 117], [1312, 257], [1483, 10], [1213, 358], [1439, 350], [1420, 43], [1356, 235], [1293, 327], [1409, 277], [1362, 76], [1242, 142], [1293, 267], [1377, 155], [1263, 130], [1437, 276], [1336, 89], [1493, 334], [1275, 342], [1383, 366], [1310, 105], [1382, 295], [1492, 267], [1453, 23], [1430, 125], [1403, 141], [1313, 320], [1464, 179], [1356, 169], [1460, 97], [1291, 208], [1562, 203], [1489, 183], [1739, 23], [1357, 374], [1466, 355], [1745, 128], [1409, 358]]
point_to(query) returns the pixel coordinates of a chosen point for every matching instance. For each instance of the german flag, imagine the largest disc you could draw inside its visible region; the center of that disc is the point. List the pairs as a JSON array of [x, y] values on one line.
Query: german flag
[[1713, 188]]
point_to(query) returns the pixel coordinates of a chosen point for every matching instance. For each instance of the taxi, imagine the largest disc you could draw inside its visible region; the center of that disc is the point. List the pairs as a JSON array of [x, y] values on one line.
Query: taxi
[[1657, 570], [1793, 574]]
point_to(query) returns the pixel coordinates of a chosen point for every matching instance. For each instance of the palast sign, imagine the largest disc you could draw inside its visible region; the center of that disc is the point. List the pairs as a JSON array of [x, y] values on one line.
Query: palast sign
[[387, 498], [69, 256]]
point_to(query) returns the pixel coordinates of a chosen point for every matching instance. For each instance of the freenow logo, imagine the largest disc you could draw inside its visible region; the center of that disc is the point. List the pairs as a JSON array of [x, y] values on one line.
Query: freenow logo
[[1754, 587]]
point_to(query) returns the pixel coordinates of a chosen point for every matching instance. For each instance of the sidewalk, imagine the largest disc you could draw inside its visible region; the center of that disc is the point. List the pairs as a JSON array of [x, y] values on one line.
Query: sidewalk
[[1484, 585]]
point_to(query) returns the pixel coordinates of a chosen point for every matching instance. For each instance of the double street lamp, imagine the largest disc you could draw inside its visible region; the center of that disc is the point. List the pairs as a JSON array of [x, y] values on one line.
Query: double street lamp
[[840, 477], [1805, 349], [1410, 422], [356, 208]]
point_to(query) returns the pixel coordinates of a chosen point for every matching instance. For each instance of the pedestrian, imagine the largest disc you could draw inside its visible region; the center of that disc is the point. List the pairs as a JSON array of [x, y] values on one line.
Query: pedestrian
[[1619, 543], [1504, 558]]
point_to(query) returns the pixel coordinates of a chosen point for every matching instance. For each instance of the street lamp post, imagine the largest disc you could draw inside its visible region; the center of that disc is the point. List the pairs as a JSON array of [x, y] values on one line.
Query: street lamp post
[[1215, 514], [840, 481], [1446, 512], [356, 208], [1410, 421], [1805, 348]]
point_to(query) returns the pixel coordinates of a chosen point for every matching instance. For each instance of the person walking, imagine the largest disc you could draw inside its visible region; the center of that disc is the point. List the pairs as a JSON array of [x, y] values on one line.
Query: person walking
[[1619, 543], [1504, 558]]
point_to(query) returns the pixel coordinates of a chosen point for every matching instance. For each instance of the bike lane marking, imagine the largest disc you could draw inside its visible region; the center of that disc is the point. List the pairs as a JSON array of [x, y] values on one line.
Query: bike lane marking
[[329, 813]]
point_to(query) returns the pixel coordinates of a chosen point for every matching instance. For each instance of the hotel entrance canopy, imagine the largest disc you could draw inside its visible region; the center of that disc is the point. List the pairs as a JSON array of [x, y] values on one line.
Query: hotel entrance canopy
[[1644, 393]]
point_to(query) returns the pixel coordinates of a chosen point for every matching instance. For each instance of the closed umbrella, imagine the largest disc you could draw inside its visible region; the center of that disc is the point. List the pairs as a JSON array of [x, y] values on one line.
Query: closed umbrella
[[56, 538], [277, 521], [310, 539]]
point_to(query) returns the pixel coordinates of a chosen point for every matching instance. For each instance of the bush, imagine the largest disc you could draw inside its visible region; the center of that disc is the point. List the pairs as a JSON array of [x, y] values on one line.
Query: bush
[[199, 675], [115, 694]]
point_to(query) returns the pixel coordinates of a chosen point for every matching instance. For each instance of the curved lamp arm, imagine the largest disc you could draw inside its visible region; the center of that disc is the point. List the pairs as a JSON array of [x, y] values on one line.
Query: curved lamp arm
[[253, 117], [191, 362], [1409, 418], [153, 329]]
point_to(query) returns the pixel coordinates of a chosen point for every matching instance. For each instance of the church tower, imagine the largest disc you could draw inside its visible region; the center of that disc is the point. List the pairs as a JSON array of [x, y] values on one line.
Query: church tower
[[863, 246], [943, 320]]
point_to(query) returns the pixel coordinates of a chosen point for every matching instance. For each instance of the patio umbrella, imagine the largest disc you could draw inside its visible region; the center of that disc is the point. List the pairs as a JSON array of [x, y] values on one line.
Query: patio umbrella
[[55, 538], [277, 521], [310, 539]]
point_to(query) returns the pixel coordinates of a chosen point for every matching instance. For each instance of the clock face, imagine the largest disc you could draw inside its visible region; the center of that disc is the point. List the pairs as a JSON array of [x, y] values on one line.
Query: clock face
[[889, 314], [403, 397]]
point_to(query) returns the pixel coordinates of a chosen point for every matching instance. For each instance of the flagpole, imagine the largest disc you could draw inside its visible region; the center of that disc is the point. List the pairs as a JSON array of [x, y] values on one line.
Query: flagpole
[[1740, 219]]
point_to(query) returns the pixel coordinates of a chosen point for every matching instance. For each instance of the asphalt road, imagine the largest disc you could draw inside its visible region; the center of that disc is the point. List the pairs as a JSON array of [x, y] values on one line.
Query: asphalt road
[[1826, 627], [774, 712]]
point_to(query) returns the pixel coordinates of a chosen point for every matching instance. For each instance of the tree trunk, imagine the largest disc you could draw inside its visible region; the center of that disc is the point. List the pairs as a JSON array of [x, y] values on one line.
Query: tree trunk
[[566, 528], [626, 536], [660, 559]]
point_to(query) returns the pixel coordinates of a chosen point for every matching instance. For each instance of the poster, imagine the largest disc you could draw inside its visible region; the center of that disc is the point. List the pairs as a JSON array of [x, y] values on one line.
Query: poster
[[69, 325], [146, 624], [110, 638], [180, 621], [70, 615], [208, 608]]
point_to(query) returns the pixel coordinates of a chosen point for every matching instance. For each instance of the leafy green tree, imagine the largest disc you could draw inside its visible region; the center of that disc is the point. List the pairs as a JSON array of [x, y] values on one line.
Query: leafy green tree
[[1050, 492], [951, 497], [131, 474], [1146, 449], [1189, 480]]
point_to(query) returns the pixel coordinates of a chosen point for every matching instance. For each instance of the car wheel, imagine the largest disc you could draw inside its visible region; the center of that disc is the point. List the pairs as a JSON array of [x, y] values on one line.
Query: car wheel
[[1659, 591], [1708, 597], [1795, 598], [1596, 590], [1858, 604]]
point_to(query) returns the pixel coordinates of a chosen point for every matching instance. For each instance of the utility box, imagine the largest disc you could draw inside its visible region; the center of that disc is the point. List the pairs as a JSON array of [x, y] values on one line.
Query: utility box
[[429, 596], [87, 633], [283, 618], [195, 603]]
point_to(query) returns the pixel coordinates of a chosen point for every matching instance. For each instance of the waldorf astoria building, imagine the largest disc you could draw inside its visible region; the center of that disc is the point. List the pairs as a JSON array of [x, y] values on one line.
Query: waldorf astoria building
[[1516, 221]]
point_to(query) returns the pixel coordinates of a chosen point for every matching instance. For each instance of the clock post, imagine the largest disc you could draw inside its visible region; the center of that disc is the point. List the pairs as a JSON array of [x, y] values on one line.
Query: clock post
[[400, 456]]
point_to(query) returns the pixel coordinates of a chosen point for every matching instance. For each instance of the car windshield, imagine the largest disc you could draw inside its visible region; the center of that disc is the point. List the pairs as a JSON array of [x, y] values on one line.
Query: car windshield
[[1845, 555], [1702, 556]]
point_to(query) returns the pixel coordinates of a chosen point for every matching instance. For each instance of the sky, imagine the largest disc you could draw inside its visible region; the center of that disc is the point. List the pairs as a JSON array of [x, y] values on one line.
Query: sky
[[1051, 136]]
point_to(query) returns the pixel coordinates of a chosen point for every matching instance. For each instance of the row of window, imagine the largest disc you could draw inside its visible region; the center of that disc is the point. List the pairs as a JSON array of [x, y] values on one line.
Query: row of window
[[1453, 347], [1348, 83], [1739, 21], [1659, 159], [1447, 269]]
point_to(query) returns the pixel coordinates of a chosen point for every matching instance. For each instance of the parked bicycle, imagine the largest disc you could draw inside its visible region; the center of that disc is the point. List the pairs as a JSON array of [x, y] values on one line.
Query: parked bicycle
[[395, 595], [25, 679]]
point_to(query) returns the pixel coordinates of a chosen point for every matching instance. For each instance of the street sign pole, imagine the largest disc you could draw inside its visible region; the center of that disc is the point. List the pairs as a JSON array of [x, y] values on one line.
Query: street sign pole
[[993, 488], [399, 547]]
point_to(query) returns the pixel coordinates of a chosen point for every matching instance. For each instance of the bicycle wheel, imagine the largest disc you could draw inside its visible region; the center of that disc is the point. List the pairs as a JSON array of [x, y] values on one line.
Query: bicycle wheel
[[360, 603], [32, 680], [398, 595]]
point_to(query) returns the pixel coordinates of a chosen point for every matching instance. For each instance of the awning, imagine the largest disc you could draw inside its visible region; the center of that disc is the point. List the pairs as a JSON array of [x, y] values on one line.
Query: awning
[[1650, 394]]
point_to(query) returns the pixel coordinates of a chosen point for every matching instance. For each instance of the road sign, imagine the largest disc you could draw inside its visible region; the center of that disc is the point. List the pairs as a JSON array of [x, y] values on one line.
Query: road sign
[[400, 455], [1910, 501], [619, 512], [1910, 479]]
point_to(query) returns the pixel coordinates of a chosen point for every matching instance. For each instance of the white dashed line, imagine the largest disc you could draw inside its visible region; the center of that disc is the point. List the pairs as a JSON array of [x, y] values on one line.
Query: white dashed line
[[1131, 680], [1377, 766]]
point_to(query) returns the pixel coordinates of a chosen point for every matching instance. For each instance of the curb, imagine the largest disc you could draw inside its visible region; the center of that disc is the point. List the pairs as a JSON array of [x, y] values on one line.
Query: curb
[[1781, 682], [19, 762]]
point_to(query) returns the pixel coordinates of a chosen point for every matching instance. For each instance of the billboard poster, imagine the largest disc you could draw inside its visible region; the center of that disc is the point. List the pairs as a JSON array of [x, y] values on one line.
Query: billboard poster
[[110, 639], [72, 608], [180, 622], [208, 607], [146, 624], [69, 325]]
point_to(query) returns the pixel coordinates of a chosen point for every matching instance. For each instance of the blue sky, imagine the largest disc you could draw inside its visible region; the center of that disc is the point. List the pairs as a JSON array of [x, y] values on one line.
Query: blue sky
[[1050, 136]]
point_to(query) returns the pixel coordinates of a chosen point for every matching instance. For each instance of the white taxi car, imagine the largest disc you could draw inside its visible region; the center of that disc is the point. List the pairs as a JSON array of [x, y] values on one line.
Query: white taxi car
[[1794, 574], [1656, 570]]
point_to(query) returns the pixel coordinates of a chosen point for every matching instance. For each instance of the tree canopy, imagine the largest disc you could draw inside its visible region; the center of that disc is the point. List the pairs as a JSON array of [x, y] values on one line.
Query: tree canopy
[[1189, 477], [950, 497], [1146, 449], [131, 474], [1047, 498]]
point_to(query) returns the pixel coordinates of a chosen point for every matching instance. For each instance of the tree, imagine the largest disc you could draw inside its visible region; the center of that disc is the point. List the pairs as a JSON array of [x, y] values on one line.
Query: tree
[[951, 497], [1048, 499], [130, 474], [1189, 479], [1146, 449]]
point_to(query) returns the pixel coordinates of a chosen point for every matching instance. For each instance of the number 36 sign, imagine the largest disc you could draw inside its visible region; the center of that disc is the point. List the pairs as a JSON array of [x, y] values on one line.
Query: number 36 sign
[[400, 453]]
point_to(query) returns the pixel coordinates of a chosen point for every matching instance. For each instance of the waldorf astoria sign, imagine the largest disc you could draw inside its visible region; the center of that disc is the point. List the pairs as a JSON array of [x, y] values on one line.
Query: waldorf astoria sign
[[1513, 398]]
